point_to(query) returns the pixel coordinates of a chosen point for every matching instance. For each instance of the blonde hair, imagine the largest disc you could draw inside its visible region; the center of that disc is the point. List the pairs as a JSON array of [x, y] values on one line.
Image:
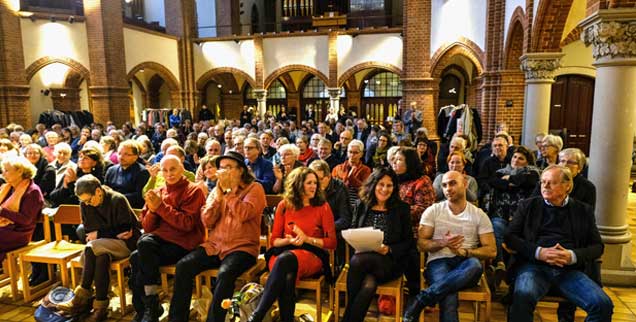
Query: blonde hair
[[21, 163]]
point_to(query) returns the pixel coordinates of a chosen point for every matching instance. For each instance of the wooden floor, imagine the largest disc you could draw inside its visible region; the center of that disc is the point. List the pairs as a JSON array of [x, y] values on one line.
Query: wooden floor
[[624, 300]]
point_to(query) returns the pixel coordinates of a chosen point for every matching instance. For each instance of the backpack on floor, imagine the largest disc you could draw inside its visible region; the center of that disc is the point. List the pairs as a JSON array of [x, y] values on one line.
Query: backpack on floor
[[244, 302], [48, 310]]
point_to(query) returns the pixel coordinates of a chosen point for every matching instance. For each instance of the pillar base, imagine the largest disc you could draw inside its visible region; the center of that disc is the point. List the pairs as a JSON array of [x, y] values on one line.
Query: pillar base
[[617, 268]]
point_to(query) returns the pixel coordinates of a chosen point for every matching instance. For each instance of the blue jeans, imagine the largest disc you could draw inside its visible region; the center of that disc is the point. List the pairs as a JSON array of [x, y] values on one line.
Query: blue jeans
[[499, 226], [446, 276], [534, 281]]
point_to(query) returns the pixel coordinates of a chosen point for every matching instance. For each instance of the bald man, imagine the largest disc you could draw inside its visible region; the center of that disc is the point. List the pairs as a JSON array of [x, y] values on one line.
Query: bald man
[[172, 223], [457, 235]]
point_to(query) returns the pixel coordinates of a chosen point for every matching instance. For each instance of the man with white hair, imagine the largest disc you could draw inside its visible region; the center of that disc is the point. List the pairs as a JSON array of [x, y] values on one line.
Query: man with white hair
[[171, 219]]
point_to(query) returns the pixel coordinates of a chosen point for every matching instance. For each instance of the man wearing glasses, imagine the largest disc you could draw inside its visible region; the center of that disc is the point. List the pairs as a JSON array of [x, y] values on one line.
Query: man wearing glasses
[[261, 168], [129, 176], [232, 215]]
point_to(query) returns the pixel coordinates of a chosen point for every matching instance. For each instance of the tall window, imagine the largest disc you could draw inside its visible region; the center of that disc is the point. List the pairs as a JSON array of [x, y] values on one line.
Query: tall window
[[315, 88], [276, 91], [383, 85]]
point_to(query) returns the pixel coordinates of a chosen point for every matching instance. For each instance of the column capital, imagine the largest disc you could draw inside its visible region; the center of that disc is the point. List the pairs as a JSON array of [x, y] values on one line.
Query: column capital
[[540, 66], [334, 92], [261, 94], [612, 33]]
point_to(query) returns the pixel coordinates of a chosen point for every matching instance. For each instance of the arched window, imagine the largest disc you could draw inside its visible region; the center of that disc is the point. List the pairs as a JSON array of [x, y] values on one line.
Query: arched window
[[383, 85], [276, 91], [316, 95], [380, 96], [249, 93]]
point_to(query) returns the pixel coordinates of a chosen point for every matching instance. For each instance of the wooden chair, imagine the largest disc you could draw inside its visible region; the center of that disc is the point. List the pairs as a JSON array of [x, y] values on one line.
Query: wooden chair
[[480, 294], [392, 288], [58, 252], [10, 274], [118, 267]]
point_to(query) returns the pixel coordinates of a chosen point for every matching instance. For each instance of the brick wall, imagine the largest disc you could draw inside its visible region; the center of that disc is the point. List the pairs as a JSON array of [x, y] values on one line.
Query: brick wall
[[512, 89], [66, 99]]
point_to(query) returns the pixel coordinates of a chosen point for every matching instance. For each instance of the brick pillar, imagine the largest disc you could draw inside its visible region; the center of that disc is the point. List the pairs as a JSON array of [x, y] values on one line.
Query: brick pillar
[[181, 21], [491, 79], [611, 33], [417, 85], [14, 88], [259, 72], [108, 88]]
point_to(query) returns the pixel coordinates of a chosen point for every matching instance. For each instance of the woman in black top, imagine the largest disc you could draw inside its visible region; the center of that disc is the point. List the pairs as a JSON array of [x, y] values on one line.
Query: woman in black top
[[379, 207]]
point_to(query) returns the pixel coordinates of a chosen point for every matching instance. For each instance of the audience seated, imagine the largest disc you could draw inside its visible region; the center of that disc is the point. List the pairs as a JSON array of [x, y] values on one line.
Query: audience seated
[[551, 145], [306, 153], [129, 176], [89, 162], [456, 162], [352, 171], [232, 216], [62, 153], [288, 162], [156, 178], [379, 207], [456, 235], [171, 219], [497, 160], [376, 155], [260, 167], [325, 153], [302, 232]]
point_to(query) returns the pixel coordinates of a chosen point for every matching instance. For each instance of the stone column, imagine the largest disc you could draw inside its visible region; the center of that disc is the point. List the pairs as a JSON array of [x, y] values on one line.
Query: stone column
[[261, 102], [334, 98], [109, 89], [612, 33], [539, 69], [14, 88]]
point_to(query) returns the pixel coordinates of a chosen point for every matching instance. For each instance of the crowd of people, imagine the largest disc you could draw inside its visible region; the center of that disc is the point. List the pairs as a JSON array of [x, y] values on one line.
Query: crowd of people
[[202, 189]]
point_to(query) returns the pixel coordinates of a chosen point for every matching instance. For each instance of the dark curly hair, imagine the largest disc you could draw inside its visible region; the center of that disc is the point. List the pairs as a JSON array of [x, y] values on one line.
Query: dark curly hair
[[367, 191], [294, 188]]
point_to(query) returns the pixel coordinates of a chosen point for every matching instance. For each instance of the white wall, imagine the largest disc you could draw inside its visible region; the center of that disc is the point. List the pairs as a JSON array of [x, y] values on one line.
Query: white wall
[[511, 5], [42, 38], [143, 46], [229, 53], [312, 51], [206, 16], [138, 102], [451, 19], [52, 75], [577, 60], [384, 48], [154, 11]]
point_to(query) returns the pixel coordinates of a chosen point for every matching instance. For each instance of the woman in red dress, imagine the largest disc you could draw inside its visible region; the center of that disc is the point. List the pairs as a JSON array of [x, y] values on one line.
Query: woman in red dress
[[302, 233]]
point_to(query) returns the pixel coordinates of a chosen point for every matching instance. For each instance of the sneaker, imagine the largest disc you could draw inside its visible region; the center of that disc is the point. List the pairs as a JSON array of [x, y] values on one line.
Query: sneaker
[[500, 274]]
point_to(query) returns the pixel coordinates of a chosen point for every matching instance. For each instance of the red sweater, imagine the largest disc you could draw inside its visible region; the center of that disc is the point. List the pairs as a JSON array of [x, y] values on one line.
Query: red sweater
[[315, 222], [178, 218]]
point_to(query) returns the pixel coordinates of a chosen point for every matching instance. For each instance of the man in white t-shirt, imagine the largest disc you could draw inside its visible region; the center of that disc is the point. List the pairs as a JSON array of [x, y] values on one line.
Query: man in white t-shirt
[[457, 235]]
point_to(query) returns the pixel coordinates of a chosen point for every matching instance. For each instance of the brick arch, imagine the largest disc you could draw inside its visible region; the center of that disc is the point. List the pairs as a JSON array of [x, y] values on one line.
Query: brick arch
[[367, 65], [513, 48], [290, 68], [48, 60], [549, 24], [573, 36], [209, 75], [464, 47], [161, 70]]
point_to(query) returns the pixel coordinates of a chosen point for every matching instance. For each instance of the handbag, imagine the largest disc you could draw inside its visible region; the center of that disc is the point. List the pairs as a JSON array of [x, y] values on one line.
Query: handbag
[[48, 310]]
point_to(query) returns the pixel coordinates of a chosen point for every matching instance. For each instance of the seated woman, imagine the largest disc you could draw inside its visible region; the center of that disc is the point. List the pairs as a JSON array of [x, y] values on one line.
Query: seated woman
[[20, 204], [379, 207], [206, 174], [62, 153], [456, 162], [90, 161], [583, 190], [307, 154], [551, 145], [288, 161], [302, 232], [426, 156], [112, 231], [376, 153], [513, 183]]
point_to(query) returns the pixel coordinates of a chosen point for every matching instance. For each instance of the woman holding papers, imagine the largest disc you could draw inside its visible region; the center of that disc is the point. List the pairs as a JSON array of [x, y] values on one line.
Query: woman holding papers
[[379, 207], [302, 232]]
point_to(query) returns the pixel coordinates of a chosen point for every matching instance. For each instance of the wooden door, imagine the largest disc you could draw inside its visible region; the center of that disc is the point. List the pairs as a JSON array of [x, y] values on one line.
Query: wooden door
[[571, 106]]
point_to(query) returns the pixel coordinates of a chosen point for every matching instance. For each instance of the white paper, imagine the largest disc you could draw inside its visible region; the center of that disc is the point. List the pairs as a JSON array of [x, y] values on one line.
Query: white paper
[[364, 239]]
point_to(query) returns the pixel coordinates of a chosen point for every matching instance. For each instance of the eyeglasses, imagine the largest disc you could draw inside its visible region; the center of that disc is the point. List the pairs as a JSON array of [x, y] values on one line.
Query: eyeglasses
[[249, 147], [32, 153], [569, 162], [86, 201], [227, 167]]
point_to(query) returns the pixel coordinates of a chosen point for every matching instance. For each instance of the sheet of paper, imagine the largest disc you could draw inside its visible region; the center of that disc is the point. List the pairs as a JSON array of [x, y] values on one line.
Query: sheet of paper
[[364, 239]]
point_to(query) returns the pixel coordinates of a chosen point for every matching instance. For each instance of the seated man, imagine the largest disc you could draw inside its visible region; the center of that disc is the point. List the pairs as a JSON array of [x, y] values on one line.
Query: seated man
[[554, 238], [457, 235], [129, 176], [233, 217], [261, 168], [156, 179], [172, 223]]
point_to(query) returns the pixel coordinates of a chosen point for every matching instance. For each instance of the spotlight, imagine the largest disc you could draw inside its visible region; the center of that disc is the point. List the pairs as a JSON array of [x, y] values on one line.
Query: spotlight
[[62, 95]]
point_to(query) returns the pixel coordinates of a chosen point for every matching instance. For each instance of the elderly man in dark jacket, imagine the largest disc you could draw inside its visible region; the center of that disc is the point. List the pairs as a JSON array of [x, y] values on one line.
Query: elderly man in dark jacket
[[554, 238]]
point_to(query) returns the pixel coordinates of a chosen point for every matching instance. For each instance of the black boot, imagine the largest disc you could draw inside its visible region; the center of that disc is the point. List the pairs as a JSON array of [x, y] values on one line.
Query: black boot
[[152, 309], [413, 310], [138, 304]]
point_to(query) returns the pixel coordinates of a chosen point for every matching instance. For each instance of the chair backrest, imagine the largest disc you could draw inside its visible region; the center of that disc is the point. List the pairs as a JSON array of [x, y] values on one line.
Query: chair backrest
[[66, 215], [273, 200]]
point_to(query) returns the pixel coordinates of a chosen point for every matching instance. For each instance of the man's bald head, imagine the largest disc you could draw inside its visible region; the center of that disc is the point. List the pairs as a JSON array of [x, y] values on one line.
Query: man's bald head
[[454, 186], [172, 169]]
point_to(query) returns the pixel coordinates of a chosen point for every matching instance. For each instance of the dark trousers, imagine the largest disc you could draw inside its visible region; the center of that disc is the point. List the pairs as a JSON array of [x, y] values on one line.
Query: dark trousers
[[152, 252], [197, 261]]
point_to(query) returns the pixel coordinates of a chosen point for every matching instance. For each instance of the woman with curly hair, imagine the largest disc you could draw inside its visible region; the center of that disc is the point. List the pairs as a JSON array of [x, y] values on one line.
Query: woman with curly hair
[[302, 233]]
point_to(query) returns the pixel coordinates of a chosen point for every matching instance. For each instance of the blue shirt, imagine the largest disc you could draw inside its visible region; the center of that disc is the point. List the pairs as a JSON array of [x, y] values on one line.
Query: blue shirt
[[264, 173], [129, 182]]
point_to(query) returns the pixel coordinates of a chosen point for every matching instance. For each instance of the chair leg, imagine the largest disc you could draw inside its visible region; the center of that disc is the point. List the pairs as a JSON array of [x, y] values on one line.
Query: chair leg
[[398, 304], [12, 270], [26, 288], [122, 290], [336, 308], [164, 282], [319, 304], [73, 277], [64, 274], [197, 285], [488, 310]]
